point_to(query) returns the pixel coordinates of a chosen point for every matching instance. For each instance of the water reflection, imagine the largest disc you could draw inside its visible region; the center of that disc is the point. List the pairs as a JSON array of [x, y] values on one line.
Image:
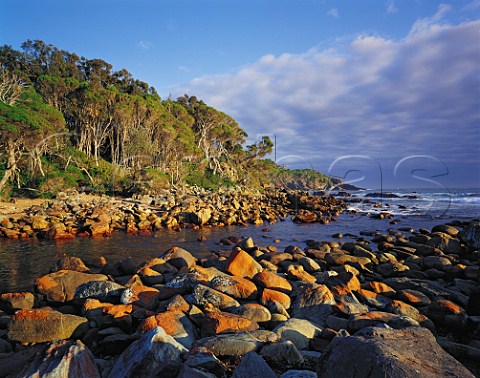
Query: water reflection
[[22, 261]]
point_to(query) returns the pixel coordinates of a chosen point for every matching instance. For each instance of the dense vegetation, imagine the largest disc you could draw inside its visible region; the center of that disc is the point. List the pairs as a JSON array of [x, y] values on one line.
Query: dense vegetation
[[67, 121]]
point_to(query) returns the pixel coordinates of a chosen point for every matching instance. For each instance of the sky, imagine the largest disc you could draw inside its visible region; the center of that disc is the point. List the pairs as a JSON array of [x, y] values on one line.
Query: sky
[[380, 93]]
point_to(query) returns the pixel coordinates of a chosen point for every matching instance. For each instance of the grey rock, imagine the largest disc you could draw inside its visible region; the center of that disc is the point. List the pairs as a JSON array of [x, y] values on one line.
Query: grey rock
[[283, 353], [203, 295], [298, 331], [102, 290], [154, 350], [62, 359], [376, 352], [470, 235], [206, 361], [236, 344], [299, 374], [253, 366], [179, 257], [314, 303]]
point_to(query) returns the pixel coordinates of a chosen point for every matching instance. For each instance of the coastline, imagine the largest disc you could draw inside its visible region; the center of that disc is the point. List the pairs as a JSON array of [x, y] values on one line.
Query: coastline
[[289, 309]]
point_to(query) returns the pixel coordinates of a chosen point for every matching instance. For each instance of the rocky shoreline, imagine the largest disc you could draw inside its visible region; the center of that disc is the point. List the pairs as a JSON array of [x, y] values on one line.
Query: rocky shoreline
[[388, 304], [73, 215]]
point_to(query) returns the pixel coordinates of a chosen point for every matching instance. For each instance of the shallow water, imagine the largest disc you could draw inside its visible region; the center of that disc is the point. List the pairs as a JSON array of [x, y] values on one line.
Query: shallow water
[[22, 261]]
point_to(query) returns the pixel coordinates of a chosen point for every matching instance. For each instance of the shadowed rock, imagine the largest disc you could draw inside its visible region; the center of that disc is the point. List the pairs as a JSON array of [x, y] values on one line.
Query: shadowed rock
[[377, 352]]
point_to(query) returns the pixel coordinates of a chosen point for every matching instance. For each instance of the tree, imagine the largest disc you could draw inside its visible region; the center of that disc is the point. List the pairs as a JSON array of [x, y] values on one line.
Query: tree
[[24, 129]]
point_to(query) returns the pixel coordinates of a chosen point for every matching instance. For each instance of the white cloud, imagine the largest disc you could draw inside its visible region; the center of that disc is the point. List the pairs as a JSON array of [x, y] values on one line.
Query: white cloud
[[145, 45], [333, 13], [391, 8], [425, 23], [378, 97]]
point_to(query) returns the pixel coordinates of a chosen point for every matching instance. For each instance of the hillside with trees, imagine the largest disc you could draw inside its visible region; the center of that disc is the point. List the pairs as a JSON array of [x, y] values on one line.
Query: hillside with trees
[[71, 122]]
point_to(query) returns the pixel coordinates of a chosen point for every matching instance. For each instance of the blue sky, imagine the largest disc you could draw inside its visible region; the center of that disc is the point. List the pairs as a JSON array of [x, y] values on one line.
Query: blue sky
[[347, 87]]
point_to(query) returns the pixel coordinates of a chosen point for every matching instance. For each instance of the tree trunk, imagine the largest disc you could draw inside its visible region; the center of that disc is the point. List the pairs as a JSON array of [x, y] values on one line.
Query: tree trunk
[[11, 166]]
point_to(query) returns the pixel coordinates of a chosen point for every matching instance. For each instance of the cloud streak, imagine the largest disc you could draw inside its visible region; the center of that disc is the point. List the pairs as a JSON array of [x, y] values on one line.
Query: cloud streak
[[379, 97]]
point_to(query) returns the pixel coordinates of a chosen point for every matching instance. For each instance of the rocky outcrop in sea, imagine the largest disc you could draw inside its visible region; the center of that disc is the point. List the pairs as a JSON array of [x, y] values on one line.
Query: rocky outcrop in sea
[[73, 214]]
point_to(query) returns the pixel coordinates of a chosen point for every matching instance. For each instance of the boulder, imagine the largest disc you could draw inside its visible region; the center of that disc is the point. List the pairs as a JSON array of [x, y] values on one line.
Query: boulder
[[11, 302], [58, 231], [298, 331], [179, 257], [153, 353], [283, 353], [253, 366], [205, 296], [202, 216], [102, 290], [378, 352], [224, 322], [62, 359], [237, 287], [314, 303], [240, 263], [236, 344], [175, 323], [70, 263], [139, 295], [470, 235], [44, 325], [273, 281], [253, 311], [61, 286]]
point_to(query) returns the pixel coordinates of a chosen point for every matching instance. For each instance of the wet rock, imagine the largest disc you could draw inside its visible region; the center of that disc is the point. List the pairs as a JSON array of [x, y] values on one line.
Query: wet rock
[[44, 325], [410, 352], [155, 351], [253, 366], [62, 359], [11, 302], [61, 286]]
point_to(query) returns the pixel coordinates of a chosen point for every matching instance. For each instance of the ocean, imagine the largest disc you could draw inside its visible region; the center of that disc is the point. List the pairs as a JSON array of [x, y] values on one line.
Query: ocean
[[22, 261]]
